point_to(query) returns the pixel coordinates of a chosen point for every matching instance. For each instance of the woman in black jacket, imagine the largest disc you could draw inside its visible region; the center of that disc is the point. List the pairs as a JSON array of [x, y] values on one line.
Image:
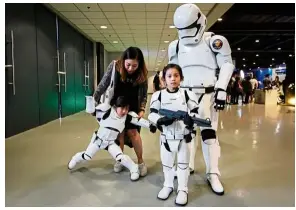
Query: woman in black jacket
[[131, 82]]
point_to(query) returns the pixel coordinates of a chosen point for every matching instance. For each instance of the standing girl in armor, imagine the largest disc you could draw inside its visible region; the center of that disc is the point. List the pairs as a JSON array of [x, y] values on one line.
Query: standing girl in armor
[[175, 134]]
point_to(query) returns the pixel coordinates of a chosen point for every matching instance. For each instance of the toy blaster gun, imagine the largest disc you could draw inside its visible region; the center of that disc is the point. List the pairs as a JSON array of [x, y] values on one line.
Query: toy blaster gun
[[179, 115]]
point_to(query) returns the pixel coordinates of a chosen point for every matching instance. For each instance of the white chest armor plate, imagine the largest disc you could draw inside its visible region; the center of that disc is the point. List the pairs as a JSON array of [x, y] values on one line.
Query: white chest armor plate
[[174, 102], [198, 63], [111, 126]]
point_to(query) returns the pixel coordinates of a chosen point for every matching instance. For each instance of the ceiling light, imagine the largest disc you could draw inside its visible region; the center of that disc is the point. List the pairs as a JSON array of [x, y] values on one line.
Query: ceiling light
[[284, 63], [257, 40], [254, 63], [103, 27], [257, 55], [244, 59], [166, 41], [279, 48], [238, 48], [172, 27], [270, 65], [219, 19], [115, 42], [244, 65], [290, 55], [272, 59]]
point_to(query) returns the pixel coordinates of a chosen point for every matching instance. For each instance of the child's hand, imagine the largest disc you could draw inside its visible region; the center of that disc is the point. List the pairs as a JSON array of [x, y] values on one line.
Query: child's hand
[[141, 114]]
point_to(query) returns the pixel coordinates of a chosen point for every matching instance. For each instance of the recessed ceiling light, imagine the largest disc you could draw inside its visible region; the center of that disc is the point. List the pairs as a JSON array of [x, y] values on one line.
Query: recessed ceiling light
[[172, 27], [220, 19], [272, 59], [115, 42], [290, 55], [270, 65], [279, 48], [238, 48], [103, 27], [166, 41], [257, 55], [244, 65], [244, 59], [254, 63], [257, 40]]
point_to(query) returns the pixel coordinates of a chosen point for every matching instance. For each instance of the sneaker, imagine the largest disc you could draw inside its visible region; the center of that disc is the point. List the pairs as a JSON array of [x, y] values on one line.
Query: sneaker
[[118, 167], [182, 198], [143, 169], [135, 176], [164, 193], [135, 173]]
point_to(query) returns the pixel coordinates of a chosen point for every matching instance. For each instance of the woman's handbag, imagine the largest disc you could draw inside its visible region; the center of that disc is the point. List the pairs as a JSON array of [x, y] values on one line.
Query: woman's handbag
[[108, 95]]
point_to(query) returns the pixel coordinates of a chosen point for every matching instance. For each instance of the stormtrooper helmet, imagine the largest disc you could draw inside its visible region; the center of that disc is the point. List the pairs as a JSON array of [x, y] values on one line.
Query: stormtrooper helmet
[[190, 22]]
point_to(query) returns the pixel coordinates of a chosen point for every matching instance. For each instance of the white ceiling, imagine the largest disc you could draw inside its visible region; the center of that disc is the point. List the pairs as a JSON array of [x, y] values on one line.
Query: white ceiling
[[130, 24]]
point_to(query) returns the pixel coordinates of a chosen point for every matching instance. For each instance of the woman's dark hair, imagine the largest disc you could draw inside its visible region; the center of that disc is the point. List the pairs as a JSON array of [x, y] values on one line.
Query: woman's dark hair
[[172, 66], [119, 101], [133, 53]]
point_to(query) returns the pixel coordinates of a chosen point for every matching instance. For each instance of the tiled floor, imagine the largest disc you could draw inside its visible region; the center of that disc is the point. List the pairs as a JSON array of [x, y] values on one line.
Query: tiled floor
[[257, 164]]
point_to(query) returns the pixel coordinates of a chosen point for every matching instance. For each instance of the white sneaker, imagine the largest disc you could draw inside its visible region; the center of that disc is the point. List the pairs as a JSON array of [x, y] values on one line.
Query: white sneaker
[[77, 158], [135, 176], [214, 182], [164, 193], [182, 198], [135, 173], [143, 169], [118, 167], [71, 164]]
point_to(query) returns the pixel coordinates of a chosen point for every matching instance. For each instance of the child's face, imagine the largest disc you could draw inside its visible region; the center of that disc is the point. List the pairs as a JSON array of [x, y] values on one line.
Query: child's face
[[121, 111], [172, 78]]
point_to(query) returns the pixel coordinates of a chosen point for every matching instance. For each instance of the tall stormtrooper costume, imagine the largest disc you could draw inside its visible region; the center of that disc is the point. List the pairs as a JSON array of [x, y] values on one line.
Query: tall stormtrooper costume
[[173, 139], [200, 54], [111, 125]]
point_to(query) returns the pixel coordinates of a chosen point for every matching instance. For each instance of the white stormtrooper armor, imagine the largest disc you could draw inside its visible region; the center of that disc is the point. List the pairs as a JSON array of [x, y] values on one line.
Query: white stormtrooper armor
[[111, 125], [173, 140], [200, 54]]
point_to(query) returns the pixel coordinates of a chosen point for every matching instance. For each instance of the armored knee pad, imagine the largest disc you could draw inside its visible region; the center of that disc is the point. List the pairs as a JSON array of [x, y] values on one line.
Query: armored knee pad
[[208, 136]]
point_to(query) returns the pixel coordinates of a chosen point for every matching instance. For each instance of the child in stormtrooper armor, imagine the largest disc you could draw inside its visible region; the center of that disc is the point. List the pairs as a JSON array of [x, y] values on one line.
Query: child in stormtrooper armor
[[112, 119], [175, 134]]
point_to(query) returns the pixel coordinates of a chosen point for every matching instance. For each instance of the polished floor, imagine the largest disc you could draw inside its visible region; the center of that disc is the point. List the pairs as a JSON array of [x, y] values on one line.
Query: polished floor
[[257, 164]]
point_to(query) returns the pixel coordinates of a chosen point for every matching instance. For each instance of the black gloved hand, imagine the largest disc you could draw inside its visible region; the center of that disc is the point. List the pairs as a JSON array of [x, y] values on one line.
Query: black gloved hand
[[220, 99], [188, 121], [152, 128], [165, 121]]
